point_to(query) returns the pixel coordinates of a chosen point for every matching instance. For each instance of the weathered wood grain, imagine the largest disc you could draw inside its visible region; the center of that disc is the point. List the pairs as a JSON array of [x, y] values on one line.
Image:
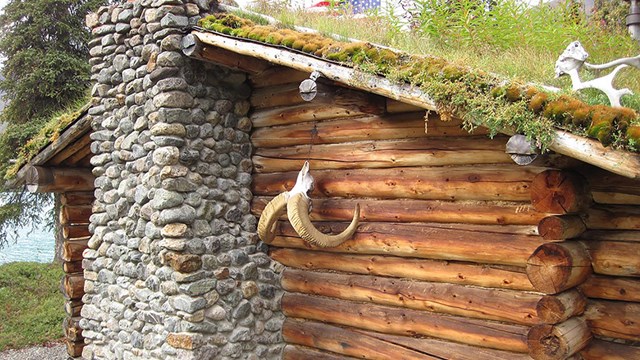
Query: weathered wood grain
[[72, 307], [447, 349], [612, 288], [560, 192], [481, 303], [561, 227], [517, 217], [77, 198], [72, 286], [613, 217], [72, 329], [614, 319], [360, 128], [429, 183], [72, 267], [346, 341], [277, 75], [382, 154], [423, 241], [559, 341], [72, 250], [301, 113], [411, 268], [55, 179], [72, 231], [292, 352], [608, 350], [556, 267], [328, 95], [75, 214], [618, 258], [399, 321]]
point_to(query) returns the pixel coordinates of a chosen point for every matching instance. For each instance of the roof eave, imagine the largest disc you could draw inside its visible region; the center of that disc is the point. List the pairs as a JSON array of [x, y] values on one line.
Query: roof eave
[[590, 151]]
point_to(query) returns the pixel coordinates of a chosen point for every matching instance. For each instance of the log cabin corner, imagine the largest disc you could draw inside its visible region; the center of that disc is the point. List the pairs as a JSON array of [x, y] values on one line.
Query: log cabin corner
[[460, 253]]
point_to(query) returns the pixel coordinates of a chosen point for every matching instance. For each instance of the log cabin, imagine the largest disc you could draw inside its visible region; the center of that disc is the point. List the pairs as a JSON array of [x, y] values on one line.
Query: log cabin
[[460, 253]]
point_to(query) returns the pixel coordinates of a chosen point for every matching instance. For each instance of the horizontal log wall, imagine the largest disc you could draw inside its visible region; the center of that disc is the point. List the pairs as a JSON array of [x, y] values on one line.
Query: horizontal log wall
[[447, 261], [612, 239], [74, 223]]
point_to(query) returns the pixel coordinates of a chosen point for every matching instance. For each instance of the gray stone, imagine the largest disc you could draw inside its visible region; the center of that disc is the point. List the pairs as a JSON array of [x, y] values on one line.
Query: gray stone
[[172, 84], [170, 58], [103, 30], [164, 199], [243, 310], [171, 20], [174, 115], [224, 287], [173, 99], [162, 73], [199, 287], [240, 334], [121, 62], [168, 141], [184, 214], [223, 106], [216, 313], [122, 28], [128, 75], [172, 43], [167, 155], [187, 304], [179, 184], [238, 257]]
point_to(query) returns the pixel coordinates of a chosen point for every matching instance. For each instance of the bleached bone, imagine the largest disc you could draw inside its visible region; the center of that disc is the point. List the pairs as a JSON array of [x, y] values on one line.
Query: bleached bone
[[570, 62], [297, 204], [631, 61]]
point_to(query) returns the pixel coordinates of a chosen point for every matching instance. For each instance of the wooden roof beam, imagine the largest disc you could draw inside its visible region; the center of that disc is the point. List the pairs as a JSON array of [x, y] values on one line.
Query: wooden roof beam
[[194, 48], [587, 150], [40, 179]]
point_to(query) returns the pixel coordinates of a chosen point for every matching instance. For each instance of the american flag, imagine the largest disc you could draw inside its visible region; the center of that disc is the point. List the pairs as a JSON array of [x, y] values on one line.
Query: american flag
[[356, 6], [360, 6]]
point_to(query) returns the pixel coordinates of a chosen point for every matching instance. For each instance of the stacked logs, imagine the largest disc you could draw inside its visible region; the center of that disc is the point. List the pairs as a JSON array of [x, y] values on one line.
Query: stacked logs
[[74, 186], [74, 224], [447, 261], [590, 258]]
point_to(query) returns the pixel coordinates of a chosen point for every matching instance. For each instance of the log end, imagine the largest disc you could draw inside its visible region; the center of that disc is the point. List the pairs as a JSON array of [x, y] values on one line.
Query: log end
[[555, 267], [561, 227], [553, 309], [560, 192], [558, 342]]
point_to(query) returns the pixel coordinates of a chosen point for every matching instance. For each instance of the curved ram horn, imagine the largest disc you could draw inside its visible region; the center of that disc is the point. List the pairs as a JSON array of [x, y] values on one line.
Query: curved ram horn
[[269, 217], [298, 212]]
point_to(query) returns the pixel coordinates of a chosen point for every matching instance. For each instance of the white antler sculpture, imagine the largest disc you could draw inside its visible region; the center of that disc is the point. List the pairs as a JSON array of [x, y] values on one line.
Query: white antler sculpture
[[572, 59]]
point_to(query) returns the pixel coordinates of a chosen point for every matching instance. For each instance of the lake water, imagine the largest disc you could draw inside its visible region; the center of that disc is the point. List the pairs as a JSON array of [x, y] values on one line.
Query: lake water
[[38, 246]]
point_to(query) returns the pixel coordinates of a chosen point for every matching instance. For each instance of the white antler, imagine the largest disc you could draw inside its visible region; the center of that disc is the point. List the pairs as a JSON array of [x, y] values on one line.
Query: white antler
[[574, 57]]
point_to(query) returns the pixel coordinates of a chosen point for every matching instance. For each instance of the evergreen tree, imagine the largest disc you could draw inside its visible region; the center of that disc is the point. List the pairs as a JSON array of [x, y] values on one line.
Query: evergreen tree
[[43, 45]]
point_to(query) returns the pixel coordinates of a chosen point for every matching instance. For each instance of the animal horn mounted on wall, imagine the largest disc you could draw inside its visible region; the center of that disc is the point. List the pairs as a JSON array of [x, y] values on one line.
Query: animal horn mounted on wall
[[297, 204]]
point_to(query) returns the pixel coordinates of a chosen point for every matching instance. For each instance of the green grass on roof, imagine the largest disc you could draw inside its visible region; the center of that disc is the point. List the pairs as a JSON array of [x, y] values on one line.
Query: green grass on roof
[[49, 132], [477, 96]]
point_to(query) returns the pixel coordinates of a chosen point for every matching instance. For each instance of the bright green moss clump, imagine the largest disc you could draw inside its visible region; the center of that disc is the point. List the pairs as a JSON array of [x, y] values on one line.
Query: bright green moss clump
[[477, 97]]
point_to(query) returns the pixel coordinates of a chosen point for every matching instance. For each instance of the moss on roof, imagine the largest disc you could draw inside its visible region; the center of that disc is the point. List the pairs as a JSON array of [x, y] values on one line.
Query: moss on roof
[[479, 98], [49, 133]]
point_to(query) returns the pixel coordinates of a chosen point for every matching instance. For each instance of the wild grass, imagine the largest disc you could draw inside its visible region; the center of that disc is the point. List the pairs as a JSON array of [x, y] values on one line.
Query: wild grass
[[510, 39], [31, 306], [46, 131]]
